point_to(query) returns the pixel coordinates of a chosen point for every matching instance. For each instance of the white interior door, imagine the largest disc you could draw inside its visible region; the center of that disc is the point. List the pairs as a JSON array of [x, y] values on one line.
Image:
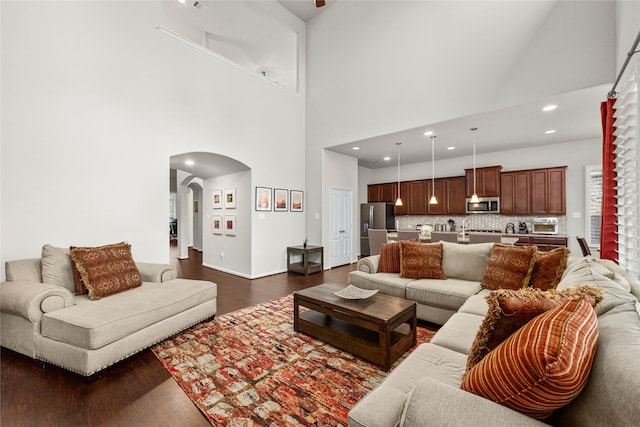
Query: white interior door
[[341, 225]]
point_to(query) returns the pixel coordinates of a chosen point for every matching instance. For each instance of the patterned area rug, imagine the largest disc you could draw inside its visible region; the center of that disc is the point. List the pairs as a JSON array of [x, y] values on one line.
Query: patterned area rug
[[249, 368]]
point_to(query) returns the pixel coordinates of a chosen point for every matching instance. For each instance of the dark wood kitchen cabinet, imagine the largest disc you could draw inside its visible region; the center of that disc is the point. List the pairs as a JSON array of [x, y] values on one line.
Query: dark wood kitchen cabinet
[[533, 192], [386, 192], [515, 193], [413, 195], [487, 181], [405, 194], [543, 243], [456, 200], [439, 188], [418, 197], [548, 193]]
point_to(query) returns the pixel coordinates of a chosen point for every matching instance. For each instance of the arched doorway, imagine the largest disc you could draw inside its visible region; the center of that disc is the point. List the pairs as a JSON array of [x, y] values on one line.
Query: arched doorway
[[196, 175]]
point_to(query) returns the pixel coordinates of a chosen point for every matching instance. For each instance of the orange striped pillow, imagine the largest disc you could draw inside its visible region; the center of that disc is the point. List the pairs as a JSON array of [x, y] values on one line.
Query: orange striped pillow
[[389, 258], [544, 365]]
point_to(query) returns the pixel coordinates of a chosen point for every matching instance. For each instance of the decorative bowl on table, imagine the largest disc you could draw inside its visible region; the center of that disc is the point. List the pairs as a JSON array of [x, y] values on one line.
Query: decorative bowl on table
[[353, 292]]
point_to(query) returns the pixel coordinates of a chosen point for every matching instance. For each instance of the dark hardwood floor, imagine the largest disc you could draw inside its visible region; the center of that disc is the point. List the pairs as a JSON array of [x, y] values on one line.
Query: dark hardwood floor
[[137, 391]]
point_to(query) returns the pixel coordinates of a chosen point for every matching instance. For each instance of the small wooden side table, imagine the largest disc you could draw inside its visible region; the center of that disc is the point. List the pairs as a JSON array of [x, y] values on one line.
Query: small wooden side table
[[306, 266]]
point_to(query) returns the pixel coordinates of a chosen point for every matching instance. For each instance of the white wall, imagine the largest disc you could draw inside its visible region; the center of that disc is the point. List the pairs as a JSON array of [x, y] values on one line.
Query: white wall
[[575, 155], [95, 100], [410, 63], [226, 252]]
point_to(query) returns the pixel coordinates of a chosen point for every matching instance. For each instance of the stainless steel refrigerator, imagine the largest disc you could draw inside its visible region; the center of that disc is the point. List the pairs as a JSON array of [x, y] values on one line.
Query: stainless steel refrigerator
[[374, 215]]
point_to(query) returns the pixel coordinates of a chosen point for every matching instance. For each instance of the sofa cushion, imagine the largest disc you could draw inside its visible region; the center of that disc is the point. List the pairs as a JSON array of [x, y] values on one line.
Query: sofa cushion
[[387, 283], [544, 365], [510, 267], [509, 310], [389, 258], [612, 393], [421, 261], [56, 267], [383, 406], [94, 324], [458, 333], [106, 270], [450, 293], [548, 268], [476, 258], [476, 304], [587, 270]]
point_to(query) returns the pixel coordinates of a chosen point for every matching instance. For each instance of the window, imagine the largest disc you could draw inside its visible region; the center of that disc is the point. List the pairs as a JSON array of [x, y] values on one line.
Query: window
[[627, 170], [593, 197]]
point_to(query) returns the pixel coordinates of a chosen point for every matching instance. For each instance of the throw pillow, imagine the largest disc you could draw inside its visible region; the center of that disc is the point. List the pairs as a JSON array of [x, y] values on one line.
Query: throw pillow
[[80, 287], [548, 268], [106, 270], [510, 267], [421, 261], [57, 267], [544, 365], [509, 310], [389, 258]]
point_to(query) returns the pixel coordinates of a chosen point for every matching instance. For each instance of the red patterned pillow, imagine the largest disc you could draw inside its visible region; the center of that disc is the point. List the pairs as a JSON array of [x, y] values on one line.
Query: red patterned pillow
[[106, 270], [510, 267], [421, 261], [548, 269], [544, 365], [509, 310], [389, 258]]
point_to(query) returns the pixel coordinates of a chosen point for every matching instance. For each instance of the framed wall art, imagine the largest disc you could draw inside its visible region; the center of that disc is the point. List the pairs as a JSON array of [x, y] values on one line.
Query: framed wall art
[[297, 201], [263, 198], [230, 198], [230, 225], [216, 224], [280, 200], [216, 196]]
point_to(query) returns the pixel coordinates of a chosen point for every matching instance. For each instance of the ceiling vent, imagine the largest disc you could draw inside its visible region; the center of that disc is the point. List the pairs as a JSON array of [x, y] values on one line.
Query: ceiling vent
[[201, 7]]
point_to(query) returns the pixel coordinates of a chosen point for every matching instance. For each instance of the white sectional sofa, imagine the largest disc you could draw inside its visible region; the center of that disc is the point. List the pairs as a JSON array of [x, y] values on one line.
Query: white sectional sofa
[[49, 322], [425, 388]]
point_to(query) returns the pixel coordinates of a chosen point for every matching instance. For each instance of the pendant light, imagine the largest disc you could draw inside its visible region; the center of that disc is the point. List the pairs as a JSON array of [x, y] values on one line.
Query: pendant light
[[398, 200], [433, 200], [474, 196]]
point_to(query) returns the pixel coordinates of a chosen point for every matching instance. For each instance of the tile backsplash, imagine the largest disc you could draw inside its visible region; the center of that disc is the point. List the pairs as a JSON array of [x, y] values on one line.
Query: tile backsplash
[[475, 221]]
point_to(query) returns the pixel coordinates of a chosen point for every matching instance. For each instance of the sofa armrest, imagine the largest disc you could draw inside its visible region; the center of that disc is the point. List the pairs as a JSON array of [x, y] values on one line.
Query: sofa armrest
[[369, 264], [31, 299], [441, 404], [157, 273]]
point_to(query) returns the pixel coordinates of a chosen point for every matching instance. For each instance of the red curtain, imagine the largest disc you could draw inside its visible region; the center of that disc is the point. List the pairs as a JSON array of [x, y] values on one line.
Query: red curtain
[[608, 228]]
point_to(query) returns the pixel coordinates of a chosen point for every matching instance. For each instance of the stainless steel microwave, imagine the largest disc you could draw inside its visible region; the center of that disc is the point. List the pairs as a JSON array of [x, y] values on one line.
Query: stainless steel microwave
[[484, 205]]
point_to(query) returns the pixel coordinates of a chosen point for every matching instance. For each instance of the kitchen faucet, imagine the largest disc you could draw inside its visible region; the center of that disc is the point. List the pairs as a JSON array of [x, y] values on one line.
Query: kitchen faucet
[[464, 225]]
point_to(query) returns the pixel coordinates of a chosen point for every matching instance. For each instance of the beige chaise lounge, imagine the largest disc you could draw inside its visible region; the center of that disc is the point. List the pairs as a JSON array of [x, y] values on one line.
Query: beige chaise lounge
[[41, 317]]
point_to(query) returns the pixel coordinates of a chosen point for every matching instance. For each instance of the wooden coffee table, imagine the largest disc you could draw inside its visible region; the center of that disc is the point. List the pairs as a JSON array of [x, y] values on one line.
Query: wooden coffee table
[[379, 328]]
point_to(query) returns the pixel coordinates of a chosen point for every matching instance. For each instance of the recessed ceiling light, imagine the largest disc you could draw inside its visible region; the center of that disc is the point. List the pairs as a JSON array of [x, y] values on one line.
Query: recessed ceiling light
[[189, 162], [451, 148], [181, 1], [550, 131], [387, 158], [428, 133], [549, 108], [355, 148]]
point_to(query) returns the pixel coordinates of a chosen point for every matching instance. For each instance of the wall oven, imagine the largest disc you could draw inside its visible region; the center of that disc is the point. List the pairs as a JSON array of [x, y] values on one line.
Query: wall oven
[[545, 226], [484, 205]]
